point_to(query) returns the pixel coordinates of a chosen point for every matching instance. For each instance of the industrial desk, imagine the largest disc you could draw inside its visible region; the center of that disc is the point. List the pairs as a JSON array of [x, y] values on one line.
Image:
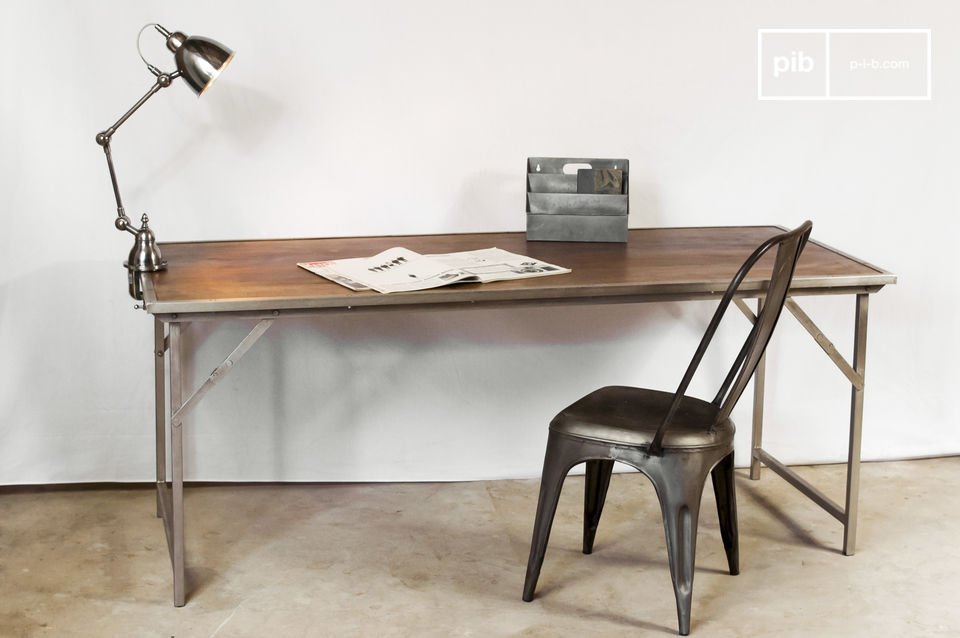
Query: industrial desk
[[260, 279]]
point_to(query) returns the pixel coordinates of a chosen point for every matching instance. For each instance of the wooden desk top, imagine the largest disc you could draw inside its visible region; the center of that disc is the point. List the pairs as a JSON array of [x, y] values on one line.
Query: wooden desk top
[[262, 276]]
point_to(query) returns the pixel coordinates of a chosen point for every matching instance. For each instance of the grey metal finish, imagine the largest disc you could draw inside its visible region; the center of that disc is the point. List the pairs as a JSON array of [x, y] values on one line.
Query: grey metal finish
[[178, 551], [678, 477], [856, 427], [170, 496], [759, 391], [199, 61], [827, 346], [674, 439], [601, 228], [596, 483], [854, 373], [177, 415], [160, 399], [568, 207], [576, 204], [745, 309], [794, 479], [144, 255]]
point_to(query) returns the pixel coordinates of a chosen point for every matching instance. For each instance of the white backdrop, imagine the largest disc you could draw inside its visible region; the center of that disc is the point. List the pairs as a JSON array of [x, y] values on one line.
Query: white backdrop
[[346, 118]]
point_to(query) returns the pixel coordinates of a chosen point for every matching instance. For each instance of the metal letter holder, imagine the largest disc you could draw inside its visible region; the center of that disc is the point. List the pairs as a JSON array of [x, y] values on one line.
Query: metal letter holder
[[575, 199]]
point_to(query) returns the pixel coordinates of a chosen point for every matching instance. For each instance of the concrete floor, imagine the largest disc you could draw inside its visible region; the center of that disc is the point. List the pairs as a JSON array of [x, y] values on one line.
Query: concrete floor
[[448, 560]]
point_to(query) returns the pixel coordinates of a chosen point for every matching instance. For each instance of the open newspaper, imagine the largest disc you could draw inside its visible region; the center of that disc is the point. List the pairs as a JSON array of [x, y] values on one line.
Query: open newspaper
[[402, 270]]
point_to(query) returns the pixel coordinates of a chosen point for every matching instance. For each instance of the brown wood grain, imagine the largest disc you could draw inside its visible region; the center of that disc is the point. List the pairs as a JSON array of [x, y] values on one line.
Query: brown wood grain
[[663, 263]]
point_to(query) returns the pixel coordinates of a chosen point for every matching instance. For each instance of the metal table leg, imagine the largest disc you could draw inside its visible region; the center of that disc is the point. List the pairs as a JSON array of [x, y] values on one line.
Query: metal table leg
[[847, 515], [856, 426], [170, 495], [176, 467], [756, 436], [159, 399], [759, 379]]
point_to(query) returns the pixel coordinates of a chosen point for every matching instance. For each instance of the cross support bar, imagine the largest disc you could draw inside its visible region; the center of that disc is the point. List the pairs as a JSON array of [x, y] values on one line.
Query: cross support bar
[[855, 374], [170, 493], [221, 370], [801, 484], [745, 309], [828, 347]]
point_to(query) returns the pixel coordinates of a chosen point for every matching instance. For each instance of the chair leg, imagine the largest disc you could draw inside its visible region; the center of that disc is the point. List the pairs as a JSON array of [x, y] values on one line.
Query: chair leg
[[724, 487], [556, 463], [680, 502], [594, 495]]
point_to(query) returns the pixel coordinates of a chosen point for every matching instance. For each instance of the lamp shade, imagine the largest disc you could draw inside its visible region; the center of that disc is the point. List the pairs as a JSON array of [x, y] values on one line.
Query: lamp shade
[[199, 60]]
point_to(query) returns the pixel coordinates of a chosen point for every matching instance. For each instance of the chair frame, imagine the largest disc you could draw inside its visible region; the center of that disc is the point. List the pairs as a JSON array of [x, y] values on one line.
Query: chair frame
[[678, 473]]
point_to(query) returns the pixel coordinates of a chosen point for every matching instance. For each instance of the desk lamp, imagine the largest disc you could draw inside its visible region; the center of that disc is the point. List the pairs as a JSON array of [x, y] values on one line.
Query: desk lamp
[[199, 62]]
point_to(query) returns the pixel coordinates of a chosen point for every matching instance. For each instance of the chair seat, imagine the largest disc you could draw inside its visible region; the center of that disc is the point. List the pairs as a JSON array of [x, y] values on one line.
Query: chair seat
[[631, 416]]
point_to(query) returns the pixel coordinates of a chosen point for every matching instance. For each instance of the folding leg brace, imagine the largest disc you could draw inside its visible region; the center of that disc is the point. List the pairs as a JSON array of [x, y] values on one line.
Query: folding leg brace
[[170, 493], [855, 374]]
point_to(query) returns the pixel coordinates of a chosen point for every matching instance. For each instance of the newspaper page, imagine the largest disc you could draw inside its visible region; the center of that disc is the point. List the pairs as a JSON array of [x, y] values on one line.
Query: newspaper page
[[402, 270]]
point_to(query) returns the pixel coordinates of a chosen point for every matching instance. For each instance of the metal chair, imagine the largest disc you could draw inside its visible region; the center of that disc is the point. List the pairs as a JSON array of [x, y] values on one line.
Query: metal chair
[[674, 439]]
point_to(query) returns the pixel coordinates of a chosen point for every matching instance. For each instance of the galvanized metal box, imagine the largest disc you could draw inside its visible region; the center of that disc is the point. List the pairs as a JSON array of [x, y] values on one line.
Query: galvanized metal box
[[577, 199]]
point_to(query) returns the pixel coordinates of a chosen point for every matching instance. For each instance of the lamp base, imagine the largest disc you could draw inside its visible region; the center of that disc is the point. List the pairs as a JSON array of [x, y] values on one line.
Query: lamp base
[[144, 257], [135, 280], [134, 284]]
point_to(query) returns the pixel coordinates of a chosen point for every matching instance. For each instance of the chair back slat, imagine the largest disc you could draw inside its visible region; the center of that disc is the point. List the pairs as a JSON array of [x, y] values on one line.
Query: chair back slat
[[789, 246], [788, 254]]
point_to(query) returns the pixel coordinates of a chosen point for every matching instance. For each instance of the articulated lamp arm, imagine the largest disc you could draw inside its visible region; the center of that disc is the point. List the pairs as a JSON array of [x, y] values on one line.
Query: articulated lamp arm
[[103, 139], [145, 254], [199, 61]]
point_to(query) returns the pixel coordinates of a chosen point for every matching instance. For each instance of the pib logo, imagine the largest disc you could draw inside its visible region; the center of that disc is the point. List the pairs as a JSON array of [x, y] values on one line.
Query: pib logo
[[844, 64], [796, 62], [791, 64]]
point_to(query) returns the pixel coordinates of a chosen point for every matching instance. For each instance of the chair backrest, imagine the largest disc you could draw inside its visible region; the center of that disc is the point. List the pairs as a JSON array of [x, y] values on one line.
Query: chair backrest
[[789, 245]]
